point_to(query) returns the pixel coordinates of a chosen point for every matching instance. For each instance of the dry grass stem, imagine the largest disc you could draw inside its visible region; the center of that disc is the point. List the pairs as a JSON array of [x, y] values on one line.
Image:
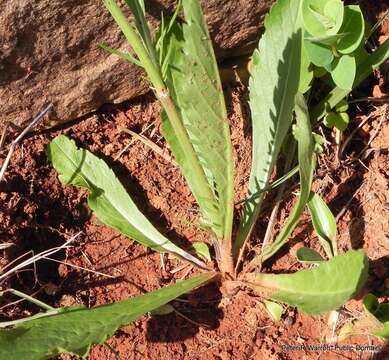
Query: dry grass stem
[[14, 143]]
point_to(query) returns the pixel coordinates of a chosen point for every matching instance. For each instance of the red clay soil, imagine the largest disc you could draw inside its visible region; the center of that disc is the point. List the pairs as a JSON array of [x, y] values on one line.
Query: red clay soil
[[37, 212]]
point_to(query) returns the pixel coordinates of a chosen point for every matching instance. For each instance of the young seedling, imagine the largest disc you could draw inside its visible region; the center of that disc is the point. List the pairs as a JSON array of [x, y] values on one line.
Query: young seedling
[[181, 67]]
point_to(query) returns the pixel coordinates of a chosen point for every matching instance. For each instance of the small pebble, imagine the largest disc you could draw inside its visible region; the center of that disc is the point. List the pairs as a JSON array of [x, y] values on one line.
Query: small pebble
[[288, 321]]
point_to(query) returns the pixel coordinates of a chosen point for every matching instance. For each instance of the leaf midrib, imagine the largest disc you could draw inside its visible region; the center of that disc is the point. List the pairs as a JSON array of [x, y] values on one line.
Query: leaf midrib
[[160, 240]]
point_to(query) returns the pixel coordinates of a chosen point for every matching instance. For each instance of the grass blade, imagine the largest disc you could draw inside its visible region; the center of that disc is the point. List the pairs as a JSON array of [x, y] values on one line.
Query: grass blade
[[274, 83], [137, 43], [125, 56], [162, 38], [108, 199], [138, 10], [74, 330]]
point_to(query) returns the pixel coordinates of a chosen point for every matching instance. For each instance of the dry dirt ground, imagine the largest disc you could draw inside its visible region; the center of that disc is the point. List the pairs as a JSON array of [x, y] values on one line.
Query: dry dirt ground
[[37, 212]]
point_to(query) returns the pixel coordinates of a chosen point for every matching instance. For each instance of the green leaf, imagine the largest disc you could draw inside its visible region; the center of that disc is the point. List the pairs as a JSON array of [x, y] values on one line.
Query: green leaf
[[354, 26], [274, 310], [325, 40], [343, 72], [342, 106], [334, 11], [319, 54], [345, 331], [291, 173], [329, 120], [74, 330], [307, 161], [380, 313], [324, 288], [202, 250], [322, 17], [306, 74], [125, 56], [339, 120], [273, 85], [319, 72], [308, 255], [108, 198], [199, 95], [138, 10], [379, 310], [163, 310], [364, 68], [140, 45], [319, 141], [163, 36], [324, 223], [206, 203]]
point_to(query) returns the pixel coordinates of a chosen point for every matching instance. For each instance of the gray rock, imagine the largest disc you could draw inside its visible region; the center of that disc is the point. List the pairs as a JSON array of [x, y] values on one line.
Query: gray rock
[[49, 52]]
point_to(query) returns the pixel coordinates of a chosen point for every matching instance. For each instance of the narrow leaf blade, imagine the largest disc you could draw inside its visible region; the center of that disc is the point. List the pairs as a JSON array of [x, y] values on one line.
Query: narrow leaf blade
[[138, 10], [274, 83], [306, 74], [307, 161], [194, 76], [108, 198], [125, 56], [74, 330]]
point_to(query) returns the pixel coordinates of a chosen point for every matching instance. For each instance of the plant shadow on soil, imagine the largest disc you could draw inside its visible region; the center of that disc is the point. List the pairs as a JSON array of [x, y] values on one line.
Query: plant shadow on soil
[[379, 270], [201, 308], [139, 196], [48, 214], [63, 207], [33, 230], [171, 327]]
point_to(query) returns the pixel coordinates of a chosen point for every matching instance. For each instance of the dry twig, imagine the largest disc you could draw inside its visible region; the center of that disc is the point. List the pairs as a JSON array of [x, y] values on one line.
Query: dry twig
[[35, 258], [151, 145], [20, 138]]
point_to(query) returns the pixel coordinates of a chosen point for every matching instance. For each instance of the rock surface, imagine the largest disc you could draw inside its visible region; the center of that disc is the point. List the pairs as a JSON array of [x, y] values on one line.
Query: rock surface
[[49, 52]]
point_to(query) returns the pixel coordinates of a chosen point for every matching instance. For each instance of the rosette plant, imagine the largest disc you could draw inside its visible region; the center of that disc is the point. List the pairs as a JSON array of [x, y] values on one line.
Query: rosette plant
[[180, 64]]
